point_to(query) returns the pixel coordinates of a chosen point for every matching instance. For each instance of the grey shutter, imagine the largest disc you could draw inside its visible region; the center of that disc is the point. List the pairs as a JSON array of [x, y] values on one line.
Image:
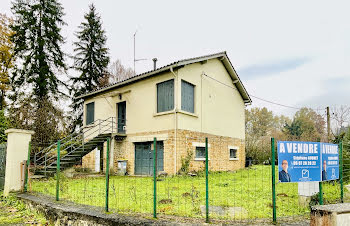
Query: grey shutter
[[90, 113], [187, 96], [165, 96]]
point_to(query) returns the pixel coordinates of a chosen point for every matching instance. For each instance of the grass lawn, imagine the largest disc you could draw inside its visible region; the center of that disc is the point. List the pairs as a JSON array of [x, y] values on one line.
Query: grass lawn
[[14, 212], [249, 189]]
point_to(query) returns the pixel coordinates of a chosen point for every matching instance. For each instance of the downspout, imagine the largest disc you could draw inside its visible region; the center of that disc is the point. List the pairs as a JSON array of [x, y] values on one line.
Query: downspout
[[175, 118]]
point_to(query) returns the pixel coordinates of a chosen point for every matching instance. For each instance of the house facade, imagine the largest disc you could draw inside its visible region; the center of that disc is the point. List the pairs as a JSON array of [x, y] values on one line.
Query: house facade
[[180, 104]]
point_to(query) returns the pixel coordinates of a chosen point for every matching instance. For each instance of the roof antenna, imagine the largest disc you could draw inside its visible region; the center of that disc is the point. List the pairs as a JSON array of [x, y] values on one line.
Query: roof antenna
[[135, 60]]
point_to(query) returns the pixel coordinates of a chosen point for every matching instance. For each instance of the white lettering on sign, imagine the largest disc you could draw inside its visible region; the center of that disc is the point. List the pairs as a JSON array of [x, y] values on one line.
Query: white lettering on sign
[[289, 147], [298, 148], [329, 149], [282, 148], [315, 148], [294, 147], [311, 148]]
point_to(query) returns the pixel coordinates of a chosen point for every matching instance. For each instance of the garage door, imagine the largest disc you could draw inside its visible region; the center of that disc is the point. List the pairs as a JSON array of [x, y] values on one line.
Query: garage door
[[144, 158]]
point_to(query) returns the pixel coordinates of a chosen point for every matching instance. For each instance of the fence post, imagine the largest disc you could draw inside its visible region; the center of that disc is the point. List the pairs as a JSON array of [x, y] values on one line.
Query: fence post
[[27, 168], [155, 177], [320, 194], [34, 159], [273, 159], [341, 171], [58, 171], [107, 174], [206, 182], [45, 169]]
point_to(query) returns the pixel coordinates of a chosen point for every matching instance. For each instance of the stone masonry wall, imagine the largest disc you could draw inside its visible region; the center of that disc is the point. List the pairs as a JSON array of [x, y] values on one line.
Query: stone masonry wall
[[186, 142]]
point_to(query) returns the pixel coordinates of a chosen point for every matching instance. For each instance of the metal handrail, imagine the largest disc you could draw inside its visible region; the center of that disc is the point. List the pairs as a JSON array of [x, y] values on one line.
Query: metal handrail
[[78, 135], [76, 148], [73, 136]]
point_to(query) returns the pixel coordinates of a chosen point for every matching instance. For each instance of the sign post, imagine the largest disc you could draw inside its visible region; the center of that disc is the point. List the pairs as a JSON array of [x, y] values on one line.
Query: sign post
[[273, 160]]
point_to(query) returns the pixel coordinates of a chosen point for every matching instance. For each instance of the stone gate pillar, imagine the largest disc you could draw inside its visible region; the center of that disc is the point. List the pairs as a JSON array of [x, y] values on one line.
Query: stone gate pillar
[[17, 151]]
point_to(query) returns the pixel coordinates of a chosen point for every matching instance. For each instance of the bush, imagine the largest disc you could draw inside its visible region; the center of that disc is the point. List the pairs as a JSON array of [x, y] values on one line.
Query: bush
[[185, 163]]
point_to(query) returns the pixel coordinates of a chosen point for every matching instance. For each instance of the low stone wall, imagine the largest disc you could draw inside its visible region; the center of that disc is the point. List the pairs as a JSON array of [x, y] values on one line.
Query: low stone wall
[[66, 213], [330, 215], [69, 213]]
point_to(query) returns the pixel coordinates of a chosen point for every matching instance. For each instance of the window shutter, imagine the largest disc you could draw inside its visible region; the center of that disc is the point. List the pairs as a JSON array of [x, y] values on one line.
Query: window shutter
[[90, 113], [165, 96], [187, 96]]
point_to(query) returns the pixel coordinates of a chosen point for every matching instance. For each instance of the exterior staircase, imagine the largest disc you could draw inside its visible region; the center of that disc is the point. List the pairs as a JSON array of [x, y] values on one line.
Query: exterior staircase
[[75, 146]]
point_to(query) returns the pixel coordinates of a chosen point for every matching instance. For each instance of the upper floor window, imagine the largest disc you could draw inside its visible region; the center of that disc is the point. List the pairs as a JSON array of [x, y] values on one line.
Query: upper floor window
[[165, 96], [90, 113], [187, 96]]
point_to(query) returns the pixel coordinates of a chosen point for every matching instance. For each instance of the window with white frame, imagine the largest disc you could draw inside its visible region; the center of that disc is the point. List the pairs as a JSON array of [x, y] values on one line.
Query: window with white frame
[[200, 152], [233, 151]]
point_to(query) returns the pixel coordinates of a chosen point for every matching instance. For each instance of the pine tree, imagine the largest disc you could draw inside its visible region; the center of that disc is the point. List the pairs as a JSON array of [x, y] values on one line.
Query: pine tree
[[37, 47], [91, 60], [38, 42]]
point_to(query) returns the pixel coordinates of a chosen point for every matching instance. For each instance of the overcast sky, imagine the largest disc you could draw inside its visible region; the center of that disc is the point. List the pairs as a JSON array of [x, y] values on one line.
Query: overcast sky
[[293, 53]]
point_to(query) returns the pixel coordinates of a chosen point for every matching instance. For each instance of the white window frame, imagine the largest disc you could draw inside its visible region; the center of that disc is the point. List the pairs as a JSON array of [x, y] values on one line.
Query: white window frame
[[198, 144], [229, 152]]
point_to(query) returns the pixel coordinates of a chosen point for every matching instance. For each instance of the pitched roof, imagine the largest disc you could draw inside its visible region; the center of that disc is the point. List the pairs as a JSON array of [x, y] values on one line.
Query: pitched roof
[[222, 56]]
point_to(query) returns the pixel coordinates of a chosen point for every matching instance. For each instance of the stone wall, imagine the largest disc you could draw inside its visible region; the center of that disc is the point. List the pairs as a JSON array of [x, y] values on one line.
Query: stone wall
[[185, 143]]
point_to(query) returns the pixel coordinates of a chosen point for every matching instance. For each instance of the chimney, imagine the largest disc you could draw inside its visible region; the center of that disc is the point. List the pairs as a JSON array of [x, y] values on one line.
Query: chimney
[[154, 63]]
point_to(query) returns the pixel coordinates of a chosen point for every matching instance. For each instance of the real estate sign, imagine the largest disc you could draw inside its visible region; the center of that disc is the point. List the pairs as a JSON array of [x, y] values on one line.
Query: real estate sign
[[307, 161], [330, 161]]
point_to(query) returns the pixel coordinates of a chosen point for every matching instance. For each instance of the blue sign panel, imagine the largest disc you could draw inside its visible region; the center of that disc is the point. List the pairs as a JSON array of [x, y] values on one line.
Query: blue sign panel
[[330, 161], [299, 161]]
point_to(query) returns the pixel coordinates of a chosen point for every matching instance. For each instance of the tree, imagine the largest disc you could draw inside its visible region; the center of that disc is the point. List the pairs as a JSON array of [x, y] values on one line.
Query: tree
[[48, 121], [91, 60], [340, 118], [38, 42], [6, 56], [261, 125], [307, 125], [259, 121], [118, 72], [3, 126], [37, 46]]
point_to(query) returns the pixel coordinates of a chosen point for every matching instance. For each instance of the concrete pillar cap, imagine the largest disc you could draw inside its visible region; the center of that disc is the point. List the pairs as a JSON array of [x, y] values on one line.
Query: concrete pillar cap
[[19, 131]]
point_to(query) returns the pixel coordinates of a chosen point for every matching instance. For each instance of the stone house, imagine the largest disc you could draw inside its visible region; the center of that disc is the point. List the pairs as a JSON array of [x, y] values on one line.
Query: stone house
[[179, 104]]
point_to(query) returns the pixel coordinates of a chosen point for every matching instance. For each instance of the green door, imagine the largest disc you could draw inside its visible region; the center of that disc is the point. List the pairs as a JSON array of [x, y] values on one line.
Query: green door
[[144, 158]]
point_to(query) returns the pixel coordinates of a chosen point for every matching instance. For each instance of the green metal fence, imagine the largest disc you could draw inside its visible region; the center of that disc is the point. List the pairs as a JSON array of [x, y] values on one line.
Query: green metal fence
[[213, 181], [2, 165]]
